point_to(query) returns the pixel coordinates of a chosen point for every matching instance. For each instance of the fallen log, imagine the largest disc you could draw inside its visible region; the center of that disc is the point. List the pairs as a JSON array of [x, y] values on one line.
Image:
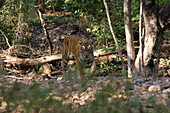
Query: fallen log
[[43, 60], [36, 61], [30, 62]]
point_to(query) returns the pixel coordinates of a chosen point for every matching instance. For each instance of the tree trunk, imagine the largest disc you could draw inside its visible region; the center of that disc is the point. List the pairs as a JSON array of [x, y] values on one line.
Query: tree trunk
[[155, 22], [114, 37], [129, 38]]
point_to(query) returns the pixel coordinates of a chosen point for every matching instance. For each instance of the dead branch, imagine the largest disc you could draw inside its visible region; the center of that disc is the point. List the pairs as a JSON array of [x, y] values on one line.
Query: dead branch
[[14, 77], [5, 38], [114, 37], [16, 46], [45, 31], [15, 51], [15, 71], [56, 72]]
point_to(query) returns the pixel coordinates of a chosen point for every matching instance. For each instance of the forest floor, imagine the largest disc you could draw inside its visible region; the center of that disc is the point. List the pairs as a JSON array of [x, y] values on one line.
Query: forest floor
[[83, 93]]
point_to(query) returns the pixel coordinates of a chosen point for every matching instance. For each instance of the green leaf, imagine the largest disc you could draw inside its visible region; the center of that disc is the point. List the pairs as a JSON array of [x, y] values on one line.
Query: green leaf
[[107, 50]]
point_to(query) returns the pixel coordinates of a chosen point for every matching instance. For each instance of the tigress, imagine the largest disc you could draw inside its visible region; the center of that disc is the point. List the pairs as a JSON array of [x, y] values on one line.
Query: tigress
[[81, 50]]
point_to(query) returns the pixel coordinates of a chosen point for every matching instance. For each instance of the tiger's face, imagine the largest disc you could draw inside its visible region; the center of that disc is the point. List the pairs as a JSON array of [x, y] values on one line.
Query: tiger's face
[[86, 51]]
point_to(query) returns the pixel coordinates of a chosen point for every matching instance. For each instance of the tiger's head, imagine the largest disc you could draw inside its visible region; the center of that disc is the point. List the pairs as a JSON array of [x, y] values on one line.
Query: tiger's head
[[86, 51]]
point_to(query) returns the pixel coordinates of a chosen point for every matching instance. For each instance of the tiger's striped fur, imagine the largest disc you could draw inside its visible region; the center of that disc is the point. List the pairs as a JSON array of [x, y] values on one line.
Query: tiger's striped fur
[[81, 50]]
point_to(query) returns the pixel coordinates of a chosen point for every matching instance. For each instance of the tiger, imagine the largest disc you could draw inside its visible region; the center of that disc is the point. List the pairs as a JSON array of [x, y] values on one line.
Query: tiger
[[82, 51]]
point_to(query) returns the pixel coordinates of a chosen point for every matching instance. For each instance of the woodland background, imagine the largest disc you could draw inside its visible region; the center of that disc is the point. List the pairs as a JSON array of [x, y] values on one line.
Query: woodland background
[[30, 75]]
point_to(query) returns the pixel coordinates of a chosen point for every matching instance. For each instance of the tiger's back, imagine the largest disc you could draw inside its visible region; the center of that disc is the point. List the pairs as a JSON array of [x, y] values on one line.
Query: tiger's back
[[81, 49]]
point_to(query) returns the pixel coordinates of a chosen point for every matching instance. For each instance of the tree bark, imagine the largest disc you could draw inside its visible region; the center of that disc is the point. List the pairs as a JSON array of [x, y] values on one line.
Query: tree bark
[[155, 25], [129, 38]]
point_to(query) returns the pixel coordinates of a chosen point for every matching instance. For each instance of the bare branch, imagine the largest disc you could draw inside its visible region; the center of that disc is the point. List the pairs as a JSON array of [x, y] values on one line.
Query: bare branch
[[45, 31], [114, 37], [5, 38], [16, 46]]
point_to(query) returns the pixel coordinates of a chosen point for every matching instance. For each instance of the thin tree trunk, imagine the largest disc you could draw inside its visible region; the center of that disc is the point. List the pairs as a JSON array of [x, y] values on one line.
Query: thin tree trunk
[[114, 37], [141, 65], [129, 38], [45, 32]]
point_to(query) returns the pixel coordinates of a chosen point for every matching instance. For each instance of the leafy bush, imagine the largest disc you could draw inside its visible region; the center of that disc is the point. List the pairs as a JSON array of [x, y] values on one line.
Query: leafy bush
[[15, 17]]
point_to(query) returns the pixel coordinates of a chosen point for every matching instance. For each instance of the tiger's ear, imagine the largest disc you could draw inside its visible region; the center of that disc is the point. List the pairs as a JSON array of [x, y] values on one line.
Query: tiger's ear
[[92, 41], [80, 42]]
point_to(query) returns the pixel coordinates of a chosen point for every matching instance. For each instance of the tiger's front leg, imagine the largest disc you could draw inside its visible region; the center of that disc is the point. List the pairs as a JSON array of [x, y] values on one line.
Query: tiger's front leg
[[80, 68], [93, 68], [64, 66]]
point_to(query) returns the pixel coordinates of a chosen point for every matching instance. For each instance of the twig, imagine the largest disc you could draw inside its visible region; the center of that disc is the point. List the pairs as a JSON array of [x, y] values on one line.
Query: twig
[[14, 77], [15, 71], [9, 50], [114, 37], [3, 50], [5, 38], [15, 46]]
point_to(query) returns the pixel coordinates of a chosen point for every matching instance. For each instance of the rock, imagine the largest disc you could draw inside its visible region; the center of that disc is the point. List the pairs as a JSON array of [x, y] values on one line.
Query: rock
[[45, 69], [160, 73], [154, 88], [2, 71], [168, 72], [100, 81], [144, 87], [89, 89], [3, 106], [166, 90], [88, 101], [139, 81]]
